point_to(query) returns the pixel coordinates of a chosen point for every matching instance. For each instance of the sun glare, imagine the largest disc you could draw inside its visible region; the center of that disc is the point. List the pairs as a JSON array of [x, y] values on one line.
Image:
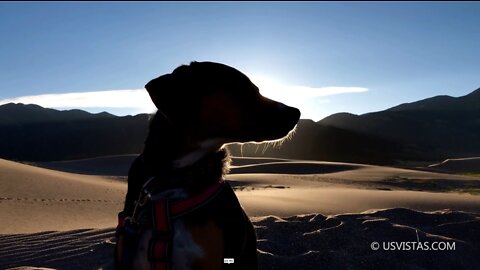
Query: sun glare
[[271, 88], [310, 100]]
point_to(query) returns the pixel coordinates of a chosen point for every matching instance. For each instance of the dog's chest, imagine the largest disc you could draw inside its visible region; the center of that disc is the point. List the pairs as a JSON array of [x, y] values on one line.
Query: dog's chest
[[195, 245]]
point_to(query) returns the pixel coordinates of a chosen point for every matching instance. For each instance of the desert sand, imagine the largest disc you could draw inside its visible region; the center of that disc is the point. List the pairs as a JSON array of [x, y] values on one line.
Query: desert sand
[[308, 215]]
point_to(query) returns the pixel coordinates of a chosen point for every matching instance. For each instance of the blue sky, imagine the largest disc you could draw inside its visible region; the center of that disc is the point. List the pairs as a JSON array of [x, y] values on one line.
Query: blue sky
[[322, 57]]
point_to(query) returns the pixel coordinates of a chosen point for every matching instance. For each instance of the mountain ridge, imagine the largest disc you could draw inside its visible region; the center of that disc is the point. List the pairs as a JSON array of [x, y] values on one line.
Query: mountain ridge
[[431, 129], [33, 133]]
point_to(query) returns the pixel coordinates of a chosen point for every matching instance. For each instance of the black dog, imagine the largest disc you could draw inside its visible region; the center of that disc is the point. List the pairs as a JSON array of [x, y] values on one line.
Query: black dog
[[179, 213]]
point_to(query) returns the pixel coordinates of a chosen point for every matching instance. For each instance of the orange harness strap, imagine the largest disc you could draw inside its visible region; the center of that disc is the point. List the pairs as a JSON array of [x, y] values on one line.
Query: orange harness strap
[[159, 253], [163, 212]]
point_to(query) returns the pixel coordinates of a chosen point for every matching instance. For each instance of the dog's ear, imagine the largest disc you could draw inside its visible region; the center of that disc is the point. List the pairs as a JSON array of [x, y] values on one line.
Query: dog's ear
[[167, 89], [158, 88]]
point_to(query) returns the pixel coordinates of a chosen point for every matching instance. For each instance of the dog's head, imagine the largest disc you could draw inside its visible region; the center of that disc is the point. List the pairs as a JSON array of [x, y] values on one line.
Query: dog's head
[[215, 102]]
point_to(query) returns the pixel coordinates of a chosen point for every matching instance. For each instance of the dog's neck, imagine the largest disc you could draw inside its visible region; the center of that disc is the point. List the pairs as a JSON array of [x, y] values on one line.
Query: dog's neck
[[192, 171], [203, 149], [181, 160]]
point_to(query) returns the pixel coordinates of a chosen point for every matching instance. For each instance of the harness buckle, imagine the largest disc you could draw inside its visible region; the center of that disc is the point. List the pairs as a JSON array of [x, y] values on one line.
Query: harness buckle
[[143, 198]]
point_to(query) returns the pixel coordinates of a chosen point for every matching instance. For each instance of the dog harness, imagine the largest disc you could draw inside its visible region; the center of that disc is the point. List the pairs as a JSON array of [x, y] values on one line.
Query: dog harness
[[163, 212]]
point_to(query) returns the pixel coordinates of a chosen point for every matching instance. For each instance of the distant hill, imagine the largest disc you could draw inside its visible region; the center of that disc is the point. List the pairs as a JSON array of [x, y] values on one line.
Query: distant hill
[[315, 141], [431, 129], [428, 130], [33, 133], [14, 114]]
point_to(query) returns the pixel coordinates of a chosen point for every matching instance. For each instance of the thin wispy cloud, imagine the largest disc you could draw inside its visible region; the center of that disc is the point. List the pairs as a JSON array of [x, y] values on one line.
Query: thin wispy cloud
[[138, 100], [310, 100], [283, 92], [307, 92]]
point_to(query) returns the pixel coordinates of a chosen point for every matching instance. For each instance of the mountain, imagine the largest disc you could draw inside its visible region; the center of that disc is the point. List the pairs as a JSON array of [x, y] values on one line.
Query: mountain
[[315, 141], [467, 103], [432, 129], [33, 133], [12, 114]]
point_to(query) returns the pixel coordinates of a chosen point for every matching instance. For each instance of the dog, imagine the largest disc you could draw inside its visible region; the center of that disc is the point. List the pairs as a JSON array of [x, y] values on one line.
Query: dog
[[201, 107]]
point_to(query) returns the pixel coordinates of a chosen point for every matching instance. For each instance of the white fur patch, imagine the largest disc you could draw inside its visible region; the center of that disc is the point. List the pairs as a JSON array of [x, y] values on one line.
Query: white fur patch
[[184, 251], [204, 148]]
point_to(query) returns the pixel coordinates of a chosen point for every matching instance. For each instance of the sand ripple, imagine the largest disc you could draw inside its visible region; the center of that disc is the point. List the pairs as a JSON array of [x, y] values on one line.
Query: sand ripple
[[344, 241], [310, 241], [78, 249]]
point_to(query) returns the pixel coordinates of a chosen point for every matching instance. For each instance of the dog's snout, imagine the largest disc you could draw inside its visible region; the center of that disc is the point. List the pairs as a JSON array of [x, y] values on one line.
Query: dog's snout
[[281, 106], [295, 112], [290, 113]]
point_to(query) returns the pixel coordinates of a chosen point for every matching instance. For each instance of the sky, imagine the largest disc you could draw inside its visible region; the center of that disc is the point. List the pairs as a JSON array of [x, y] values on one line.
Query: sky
[[322, 57]]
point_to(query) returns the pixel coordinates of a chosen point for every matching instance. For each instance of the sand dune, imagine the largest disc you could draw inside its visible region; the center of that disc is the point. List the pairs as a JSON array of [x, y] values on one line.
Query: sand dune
[[294, 167], [34, 199], [345, 241], [299, 242], [118, 165], [61, 220], [107, 165], [65, 201], [458, 165]]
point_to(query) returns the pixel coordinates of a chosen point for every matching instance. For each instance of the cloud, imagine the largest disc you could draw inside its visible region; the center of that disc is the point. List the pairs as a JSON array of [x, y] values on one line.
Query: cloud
[[123, 102], [137, 100], [313, 102], [285, 93]]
